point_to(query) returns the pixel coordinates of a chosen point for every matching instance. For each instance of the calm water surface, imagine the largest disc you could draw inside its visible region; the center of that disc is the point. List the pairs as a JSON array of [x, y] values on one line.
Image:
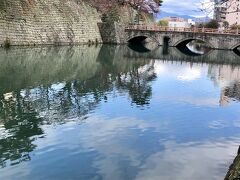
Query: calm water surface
[[112, 113]]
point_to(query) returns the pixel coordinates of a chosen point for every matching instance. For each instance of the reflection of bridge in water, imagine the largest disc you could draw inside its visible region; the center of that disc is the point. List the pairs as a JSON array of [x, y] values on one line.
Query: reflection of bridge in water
[[174, 54]]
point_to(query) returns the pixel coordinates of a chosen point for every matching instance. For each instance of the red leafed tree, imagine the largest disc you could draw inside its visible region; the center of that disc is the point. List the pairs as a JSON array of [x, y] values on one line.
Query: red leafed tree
[[149, 6]]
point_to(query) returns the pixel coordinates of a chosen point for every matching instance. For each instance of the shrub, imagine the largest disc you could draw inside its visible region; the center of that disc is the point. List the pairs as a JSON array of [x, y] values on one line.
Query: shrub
[[112, 16], [212, 24], [163, 23], [7, 43], [235, 26]]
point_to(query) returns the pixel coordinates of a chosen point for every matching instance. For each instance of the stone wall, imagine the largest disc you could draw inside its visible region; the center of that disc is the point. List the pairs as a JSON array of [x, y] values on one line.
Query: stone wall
[[234, 169], [112, 33], [34, 22]]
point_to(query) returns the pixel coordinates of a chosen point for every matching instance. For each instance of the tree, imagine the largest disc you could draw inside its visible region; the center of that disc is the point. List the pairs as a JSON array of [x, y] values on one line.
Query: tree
[[163, 23], [200, 25], [225, 24], [104, 17], [149, 6], [212, 24], [113, 15], [235, 26]]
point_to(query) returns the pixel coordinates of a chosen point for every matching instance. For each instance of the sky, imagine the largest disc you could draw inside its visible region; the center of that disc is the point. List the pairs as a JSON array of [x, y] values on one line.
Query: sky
[[187, 7]]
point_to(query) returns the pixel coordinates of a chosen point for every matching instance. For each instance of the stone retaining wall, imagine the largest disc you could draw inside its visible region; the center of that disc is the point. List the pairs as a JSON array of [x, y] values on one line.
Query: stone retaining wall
[[112, 33], [59, 22], [234, 169]]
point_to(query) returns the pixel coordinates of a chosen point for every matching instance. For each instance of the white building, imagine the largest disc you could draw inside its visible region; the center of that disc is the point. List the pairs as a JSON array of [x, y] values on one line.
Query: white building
[[179, 22], [191, 22], [233, 12], [220, 12], [229, 11]]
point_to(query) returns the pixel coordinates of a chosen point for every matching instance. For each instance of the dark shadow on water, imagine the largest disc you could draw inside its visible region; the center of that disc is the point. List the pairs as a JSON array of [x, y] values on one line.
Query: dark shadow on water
[[138, 47], [165, 50]]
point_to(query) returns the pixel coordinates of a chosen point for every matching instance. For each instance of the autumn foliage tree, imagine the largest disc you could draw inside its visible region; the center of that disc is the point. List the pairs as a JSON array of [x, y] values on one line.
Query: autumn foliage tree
[[110, 8], [149, 6]]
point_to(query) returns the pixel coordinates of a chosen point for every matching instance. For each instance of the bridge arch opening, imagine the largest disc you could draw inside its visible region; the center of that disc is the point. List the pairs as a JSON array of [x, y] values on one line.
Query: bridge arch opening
[[237, 50], [137, 39], [194, 47], [142, 44], [143, 39], [185, 42]]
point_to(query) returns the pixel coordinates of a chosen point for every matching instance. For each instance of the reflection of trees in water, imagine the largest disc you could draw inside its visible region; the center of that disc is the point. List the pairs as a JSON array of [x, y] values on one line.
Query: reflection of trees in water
[[22, 124], [23, 112], [87, 76], [136, 82], [132, 75]]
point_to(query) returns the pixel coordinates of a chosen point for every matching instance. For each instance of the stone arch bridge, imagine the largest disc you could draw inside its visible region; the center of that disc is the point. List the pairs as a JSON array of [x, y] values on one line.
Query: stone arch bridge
[[182, 36]]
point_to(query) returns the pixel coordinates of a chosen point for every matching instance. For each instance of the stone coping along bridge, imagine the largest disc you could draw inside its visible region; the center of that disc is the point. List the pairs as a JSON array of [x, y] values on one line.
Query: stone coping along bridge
[[225, 39]]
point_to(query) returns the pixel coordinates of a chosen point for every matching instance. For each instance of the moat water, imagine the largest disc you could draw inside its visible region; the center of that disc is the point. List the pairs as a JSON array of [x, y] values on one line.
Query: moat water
[[109, 112]]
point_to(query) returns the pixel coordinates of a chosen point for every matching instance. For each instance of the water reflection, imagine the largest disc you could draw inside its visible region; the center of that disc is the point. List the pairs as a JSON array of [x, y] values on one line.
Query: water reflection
[[228, 78], [111, 113], [179, 54], [22, 111], [141, 48], [19, 125], [198, 47]]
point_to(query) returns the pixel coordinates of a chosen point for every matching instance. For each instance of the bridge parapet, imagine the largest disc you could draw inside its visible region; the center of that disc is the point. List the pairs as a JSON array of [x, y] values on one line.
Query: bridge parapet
[[182, 29]]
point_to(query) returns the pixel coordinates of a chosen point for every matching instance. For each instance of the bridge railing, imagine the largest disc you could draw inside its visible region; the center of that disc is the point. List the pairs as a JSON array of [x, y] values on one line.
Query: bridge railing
[[182, 29]]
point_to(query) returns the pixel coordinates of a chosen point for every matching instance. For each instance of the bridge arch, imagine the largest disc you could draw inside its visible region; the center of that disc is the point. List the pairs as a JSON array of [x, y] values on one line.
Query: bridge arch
[[137, 39], [140, 38], [185, 41], [235, 46]]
